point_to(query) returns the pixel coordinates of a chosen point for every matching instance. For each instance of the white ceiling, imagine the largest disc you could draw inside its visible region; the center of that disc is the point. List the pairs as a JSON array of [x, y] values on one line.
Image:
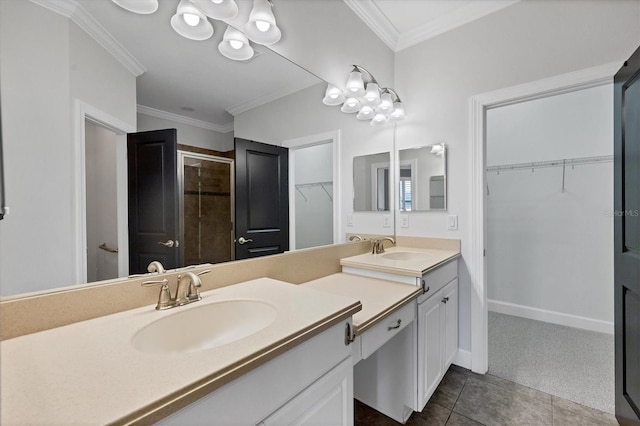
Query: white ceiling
[[403, 23], [184, 77], [190, 81]]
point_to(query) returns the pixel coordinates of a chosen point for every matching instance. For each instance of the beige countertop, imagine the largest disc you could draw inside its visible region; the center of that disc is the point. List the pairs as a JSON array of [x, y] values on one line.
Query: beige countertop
[[411, 267], [379, 298], [89, 372]]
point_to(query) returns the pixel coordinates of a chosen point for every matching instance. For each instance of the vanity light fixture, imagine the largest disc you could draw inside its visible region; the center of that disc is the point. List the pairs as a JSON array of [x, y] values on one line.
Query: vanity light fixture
[[333, 96], [234, 45], [190, 22], [438, 150], [143, 7], [261, 27], [368, 100], [217, 9]]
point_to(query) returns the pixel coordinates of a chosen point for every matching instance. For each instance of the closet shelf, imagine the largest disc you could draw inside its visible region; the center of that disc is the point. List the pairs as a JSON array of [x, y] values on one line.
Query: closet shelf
[[552, 163], [322, 185]]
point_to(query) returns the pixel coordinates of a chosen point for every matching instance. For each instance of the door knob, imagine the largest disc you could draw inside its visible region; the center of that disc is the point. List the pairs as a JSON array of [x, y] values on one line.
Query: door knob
[[243, 240], [168, 243]]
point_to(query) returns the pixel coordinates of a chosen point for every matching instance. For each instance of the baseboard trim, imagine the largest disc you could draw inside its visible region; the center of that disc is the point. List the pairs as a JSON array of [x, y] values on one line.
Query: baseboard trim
[[463, 359], [550, 316]]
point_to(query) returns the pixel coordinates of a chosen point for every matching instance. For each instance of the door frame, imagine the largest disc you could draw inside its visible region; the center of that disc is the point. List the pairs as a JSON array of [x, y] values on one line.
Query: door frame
[[478, 106], [206, 157], [84, 111], [305, 142]]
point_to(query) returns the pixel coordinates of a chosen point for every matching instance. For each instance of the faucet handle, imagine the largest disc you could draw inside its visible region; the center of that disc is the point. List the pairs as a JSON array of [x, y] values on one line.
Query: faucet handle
[[203, 272], [164, 299]]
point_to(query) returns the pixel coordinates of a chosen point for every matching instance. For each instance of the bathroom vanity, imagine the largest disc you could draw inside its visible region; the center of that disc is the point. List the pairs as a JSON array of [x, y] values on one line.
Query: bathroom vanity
[[400, 376], [293, 350]]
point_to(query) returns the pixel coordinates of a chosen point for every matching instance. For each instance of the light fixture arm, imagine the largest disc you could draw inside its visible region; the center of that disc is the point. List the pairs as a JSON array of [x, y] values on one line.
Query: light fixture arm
[[361, 69], [391, 91]]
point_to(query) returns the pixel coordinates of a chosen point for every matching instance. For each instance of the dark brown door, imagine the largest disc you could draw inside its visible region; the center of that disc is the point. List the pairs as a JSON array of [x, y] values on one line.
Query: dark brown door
[[262, 199], [627, 238], [153, 206]]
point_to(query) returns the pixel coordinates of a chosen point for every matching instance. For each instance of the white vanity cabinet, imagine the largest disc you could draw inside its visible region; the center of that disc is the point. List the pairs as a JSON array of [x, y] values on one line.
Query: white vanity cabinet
[[437, 338], [310, 384]]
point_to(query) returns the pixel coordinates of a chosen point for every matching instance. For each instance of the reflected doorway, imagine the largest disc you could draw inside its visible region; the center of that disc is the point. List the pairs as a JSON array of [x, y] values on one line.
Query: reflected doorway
[[206, 202], [101, 202]]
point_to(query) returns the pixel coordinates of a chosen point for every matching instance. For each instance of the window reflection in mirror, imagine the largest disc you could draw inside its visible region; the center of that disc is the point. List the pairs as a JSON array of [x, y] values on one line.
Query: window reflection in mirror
[[371, 182], [422, 178]]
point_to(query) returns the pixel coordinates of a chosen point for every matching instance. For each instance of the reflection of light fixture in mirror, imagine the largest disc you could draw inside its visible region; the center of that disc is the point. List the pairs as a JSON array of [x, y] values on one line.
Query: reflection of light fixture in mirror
[[438, 149], [143, 7], [333, 96], [355, 84], [217, 9], [382, 105], [379, 119], [372, 94], [366, 113], [190, 22], [234, 45], [386, 103], [351, 105], [261, 27]]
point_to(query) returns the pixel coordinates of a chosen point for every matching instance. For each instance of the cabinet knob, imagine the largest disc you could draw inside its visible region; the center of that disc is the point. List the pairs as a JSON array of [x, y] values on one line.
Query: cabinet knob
[[445, 300]]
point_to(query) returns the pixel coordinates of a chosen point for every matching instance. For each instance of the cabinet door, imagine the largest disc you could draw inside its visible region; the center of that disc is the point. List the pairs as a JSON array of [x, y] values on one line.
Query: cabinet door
[[328, 401], [450, 302], [429, 347]]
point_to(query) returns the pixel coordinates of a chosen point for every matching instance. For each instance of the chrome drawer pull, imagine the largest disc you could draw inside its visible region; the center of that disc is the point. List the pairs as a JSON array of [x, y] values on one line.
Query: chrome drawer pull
[[393, 327]]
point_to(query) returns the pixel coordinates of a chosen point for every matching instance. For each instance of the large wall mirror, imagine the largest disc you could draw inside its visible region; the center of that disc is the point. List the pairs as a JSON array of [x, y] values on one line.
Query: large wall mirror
[[423, 178], [371, 182], [64, 87]]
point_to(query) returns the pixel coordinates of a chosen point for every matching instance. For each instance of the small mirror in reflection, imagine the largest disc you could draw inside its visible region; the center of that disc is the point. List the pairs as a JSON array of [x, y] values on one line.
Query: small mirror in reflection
[[371, 182], [422, 178]]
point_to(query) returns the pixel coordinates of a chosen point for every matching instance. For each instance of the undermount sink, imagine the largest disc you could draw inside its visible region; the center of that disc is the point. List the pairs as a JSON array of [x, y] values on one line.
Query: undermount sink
[[205, 327], [406, 255]]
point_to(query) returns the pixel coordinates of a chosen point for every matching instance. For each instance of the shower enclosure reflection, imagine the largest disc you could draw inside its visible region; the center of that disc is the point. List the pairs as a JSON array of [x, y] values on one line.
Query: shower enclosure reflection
[[206, 203]]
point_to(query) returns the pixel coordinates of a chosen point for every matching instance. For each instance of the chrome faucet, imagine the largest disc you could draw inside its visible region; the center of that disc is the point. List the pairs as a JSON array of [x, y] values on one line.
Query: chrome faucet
[[156, 266], [378, 244], [187, 291]]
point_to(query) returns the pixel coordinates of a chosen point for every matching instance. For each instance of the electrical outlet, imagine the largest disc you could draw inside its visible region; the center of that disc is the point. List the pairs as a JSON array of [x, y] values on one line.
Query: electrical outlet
[[404, 221], [349, 220], [386, 222], [452, 222]]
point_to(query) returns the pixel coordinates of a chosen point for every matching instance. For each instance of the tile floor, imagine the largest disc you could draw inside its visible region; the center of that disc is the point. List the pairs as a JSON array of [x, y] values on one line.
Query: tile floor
[[466, 398]]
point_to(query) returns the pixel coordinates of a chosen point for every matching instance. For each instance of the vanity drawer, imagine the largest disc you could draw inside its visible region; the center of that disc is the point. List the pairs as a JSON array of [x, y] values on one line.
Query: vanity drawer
[[372, 339], [438, 278]]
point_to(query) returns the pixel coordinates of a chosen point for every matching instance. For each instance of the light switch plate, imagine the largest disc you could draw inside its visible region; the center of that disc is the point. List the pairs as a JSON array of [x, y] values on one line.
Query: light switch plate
[[349, 220], [452, 222], [404, 221], [386, 222]]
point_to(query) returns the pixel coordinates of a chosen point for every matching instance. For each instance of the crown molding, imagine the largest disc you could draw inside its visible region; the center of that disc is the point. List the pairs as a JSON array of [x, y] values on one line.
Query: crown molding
[[377, 21], [371, 14], [453, 20], [226, 128], [267, 97], [83, 19]]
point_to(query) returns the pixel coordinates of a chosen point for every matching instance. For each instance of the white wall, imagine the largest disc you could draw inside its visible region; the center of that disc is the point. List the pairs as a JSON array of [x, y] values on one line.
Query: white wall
[[189, 135], [42, 73], [528, 41], [547, 249], [314, 215], [303, 114]]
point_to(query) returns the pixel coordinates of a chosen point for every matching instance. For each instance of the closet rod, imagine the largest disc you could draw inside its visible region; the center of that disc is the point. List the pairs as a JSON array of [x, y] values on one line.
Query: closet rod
[[553, 163], [311, 185]]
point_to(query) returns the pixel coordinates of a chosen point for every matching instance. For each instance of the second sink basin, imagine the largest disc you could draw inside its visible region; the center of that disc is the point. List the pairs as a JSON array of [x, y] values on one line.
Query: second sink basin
[[406, 255], [205, 327]]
